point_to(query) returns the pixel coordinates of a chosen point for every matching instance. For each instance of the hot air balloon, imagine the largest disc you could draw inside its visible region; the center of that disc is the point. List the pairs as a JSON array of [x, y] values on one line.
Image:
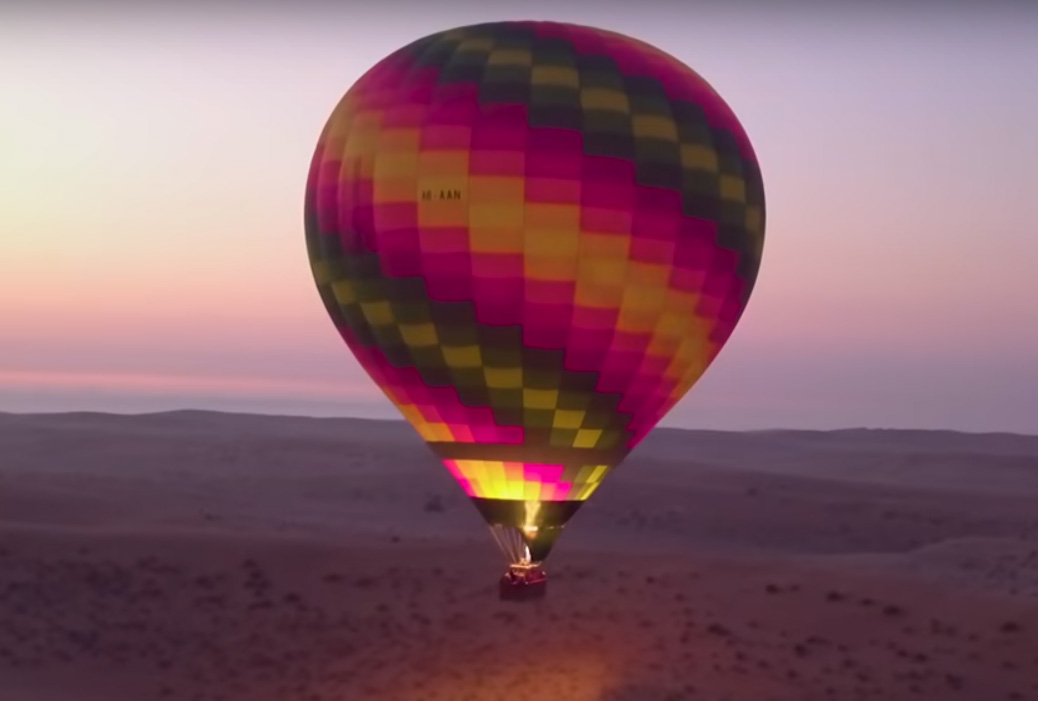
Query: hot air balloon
[[535, 237]]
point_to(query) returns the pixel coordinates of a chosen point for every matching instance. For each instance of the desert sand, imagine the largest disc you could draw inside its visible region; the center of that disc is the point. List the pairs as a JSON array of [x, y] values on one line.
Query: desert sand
[[205, 556]]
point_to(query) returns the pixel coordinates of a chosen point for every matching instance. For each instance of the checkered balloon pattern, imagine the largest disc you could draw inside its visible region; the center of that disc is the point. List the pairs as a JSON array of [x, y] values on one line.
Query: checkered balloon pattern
[[535, 237]]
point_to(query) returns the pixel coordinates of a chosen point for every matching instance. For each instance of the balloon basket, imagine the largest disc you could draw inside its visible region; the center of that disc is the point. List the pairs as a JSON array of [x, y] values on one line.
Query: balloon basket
[[523, 583]]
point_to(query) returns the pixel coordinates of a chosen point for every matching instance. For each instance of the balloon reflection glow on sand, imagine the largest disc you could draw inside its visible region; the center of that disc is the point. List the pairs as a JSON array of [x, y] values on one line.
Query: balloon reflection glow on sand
[[532, 671]]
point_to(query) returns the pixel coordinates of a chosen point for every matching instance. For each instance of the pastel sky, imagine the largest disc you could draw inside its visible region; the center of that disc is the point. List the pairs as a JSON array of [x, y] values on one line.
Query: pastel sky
[[152, 166]]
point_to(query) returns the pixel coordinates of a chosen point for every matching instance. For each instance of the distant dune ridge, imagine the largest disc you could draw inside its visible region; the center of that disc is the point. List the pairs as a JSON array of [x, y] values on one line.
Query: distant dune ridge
[[207, 556]]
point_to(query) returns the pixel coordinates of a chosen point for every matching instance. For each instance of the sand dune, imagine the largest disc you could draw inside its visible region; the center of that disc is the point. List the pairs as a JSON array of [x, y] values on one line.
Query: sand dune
[[204, 556]]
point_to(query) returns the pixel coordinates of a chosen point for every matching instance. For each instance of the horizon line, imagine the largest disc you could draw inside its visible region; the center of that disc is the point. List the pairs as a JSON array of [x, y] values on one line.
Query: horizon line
[[346, 417]]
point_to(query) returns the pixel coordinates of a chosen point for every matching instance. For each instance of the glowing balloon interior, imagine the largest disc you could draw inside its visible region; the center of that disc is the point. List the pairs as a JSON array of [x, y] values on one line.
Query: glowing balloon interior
[[535, 237]]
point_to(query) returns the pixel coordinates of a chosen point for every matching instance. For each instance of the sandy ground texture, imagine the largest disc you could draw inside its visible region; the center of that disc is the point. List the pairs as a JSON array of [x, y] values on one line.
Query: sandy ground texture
[[216, 557]]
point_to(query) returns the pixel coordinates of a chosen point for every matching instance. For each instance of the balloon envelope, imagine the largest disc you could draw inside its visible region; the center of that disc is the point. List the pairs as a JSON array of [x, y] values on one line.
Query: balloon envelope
[[535, 237]]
